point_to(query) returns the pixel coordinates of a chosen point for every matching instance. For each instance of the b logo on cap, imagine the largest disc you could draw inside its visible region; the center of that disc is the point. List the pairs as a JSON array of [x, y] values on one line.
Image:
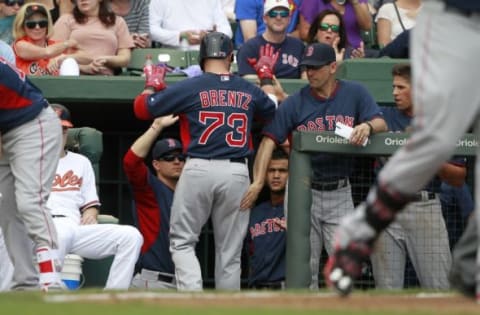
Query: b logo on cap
[[309, 51], [171, 143]]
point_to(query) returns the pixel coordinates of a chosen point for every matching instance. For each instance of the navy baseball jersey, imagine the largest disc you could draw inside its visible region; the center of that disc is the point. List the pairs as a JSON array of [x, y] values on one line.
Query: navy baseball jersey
[[20, 100], [350, 104], [266, 244], [291, 52], [151, 213], [216, 113]]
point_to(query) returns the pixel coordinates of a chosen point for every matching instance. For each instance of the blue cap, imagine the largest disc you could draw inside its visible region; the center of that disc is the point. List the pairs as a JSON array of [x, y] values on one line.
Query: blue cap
[[165, 146], [318, 54]]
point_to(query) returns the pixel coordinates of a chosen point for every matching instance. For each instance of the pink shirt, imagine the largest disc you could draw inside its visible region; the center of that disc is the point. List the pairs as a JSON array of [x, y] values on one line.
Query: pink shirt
[[93, 37]]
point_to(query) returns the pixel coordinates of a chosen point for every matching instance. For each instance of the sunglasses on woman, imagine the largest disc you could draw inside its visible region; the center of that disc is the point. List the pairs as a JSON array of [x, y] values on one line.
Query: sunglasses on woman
[[32, 24], [325, 27], [275, 13], [172, 157], [11, 3]]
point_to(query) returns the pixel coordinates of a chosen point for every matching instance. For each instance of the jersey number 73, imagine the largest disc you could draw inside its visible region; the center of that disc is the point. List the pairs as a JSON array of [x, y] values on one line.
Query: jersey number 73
[[237, 122]]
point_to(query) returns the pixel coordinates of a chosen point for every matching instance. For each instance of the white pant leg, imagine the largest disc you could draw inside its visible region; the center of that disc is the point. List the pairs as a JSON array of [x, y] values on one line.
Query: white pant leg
[[6, 267], [230, 224], [32, 151], [97, 241], [427, 243], [191, 208], [390, 256]]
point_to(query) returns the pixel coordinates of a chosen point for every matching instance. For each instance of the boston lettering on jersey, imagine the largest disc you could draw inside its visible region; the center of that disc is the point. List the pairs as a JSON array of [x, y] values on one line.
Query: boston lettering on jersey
[[69, 181], [321, 124], [267, 226], [236, 99]]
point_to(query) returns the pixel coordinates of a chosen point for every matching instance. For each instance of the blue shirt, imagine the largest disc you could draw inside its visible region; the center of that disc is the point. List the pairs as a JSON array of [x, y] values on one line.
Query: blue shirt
[[350, 104], [266, 243], [6, 52], [291, 52]]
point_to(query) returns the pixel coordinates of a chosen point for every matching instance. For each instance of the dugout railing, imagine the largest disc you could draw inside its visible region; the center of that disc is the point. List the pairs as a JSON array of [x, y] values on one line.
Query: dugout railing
[[299, 193]]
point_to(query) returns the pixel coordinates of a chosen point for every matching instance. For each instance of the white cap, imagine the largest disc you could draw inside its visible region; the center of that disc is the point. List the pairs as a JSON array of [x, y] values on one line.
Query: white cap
[[69, 67], [270, 4]]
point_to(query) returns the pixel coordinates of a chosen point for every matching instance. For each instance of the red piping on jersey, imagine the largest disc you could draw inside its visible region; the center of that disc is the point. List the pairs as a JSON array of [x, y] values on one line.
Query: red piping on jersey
[[140, 107], [185, 132]]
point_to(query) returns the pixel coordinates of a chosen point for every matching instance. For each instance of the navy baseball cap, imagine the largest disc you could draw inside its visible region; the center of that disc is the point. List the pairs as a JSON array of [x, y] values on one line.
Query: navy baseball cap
[[318, 54], [64, 115], [165, 146]]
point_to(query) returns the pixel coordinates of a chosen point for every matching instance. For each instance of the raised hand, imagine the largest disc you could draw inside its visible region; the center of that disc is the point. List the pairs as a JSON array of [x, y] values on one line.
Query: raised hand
[[265, 64], [156, 79]]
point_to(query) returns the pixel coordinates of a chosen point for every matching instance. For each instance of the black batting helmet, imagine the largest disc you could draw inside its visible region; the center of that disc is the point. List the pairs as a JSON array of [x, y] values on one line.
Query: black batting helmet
[[215, 45]]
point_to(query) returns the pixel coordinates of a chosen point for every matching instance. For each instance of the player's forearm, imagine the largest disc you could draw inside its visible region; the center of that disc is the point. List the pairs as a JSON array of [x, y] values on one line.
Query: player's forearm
[[379, 125], [452, 174], [142, 145], [264, 154]]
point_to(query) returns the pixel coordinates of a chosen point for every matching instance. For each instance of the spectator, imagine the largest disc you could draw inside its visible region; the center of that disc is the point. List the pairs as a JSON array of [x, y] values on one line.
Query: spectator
[[135, 14], [183, 23], [276, 17], [318, 107], [419, 231], [31, 144], [266, 237], [36, 53], [8, 10], [103, 39], [329, 28], [356, 17], [74, 206], [395, 18], [397, 48], [153, 196], [249, 15], [217, 141], [55, 7], [228, 7]]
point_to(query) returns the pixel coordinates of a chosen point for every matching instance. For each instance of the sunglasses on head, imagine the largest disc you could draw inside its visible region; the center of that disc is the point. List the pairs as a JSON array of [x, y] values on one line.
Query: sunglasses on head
[[275, 13], [172, 157], [11, 3], [325, 26], [33, 24]]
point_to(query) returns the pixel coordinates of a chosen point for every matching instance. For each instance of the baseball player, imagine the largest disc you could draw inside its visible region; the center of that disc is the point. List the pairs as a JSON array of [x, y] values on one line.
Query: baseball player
[[30, 143], [419, 231], [215, 112], [6, 266], [318, 107], [73, 204], [266, 237], [153, 197], [442, 77], [276, 16]]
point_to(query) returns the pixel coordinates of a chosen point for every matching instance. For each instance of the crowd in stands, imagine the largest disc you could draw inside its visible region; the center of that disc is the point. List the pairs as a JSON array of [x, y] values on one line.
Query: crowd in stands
[[295, 39]]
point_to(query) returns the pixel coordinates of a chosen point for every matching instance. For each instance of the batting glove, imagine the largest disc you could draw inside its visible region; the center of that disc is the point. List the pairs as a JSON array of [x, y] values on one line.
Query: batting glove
[[265, 64], [155, 78]]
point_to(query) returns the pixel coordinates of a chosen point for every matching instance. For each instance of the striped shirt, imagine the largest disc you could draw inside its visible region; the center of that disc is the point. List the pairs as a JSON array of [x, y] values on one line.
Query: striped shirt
[[137, 19]]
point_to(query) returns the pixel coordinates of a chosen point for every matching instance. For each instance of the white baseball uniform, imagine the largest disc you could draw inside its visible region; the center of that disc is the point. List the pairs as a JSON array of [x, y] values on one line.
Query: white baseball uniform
[[72, 192]]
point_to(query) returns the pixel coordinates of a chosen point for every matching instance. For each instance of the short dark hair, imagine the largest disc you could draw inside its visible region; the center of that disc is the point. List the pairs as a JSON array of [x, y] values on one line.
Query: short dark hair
[[105, 15], [312, 31], [279, 154], [403, 70]]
